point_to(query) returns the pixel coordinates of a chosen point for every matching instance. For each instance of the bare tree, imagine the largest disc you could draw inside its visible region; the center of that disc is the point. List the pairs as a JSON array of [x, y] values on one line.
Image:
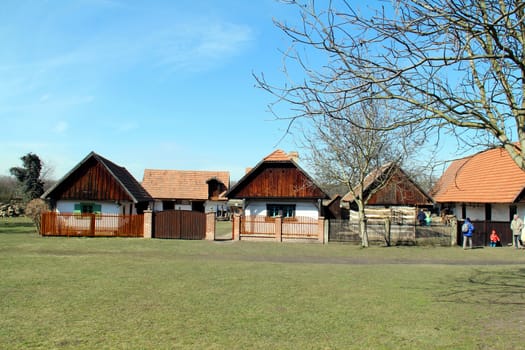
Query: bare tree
[[455, 67], [34, 210], [341, 153], [47, 175]]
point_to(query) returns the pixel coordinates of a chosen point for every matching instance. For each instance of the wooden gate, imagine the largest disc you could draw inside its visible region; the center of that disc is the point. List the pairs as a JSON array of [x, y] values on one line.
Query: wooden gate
[[179, 224]]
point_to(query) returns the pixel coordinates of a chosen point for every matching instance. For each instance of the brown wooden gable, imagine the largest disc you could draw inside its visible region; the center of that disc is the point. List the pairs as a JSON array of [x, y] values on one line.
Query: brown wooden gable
[[215, 188], [90, 181], [277, 180], [400, 190]]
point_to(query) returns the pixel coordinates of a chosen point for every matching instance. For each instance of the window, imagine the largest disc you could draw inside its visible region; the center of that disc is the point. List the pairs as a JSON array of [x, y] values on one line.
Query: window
[[87, 208], [284, 210]]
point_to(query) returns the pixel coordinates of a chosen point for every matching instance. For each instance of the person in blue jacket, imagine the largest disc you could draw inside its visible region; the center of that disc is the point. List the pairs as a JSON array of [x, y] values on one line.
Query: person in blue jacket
[[467, 229]]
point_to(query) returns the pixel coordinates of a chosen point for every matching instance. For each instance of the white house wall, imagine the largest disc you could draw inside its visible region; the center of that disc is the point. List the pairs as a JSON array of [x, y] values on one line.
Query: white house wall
[[474, 212], [215, 206], [157, 206], [68, 206], [499, 212], [307, 209]]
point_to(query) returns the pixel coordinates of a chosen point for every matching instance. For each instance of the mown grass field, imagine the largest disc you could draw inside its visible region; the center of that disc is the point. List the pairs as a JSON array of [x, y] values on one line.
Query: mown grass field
[[118, 293]]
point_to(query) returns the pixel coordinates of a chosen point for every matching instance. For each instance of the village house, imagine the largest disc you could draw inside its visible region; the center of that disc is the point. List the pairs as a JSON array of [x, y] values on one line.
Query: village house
[[278, 200], [487, 187], [278, 186], [97, 185], [201, 191], [96, 198], [394, 200]]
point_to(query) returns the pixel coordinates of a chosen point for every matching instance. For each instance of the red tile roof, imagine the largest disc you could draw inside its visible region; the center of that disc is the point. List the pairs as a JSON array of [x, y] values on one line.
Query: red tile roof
[[277, 155], [487, 177], [181, 184]]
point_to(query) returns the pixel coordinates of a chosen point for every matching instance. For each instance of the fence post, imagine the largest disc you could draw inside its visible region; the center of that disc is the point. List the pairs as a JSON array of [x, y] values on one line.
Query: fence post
[[236, 227], [148, 223], [326, 225], [210, 226], [453, 232], [320, 230], [279, 228]]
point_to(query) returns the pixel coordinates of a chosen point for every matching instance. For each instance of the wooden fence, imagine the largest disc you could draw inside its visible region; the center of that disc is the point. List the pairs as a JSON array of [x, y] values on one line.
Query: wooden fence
[[277, 228], [300, 227], [92, 225], [258, 226], [393, 226]]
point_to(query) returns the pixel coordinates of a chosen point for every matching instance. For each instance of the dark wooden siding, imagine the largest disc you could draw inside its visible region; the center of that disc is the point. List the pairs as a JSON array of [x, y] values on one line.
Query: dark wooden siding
[[215, 188], [399, 190], [180, 224], [91, 181], [282, 181], [334, 210]]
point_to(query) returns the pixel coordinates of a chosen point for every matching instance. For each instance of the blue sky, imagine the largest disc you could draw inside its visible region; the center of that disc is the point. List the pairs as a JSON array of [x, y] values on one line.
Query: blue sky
[[146, 84]]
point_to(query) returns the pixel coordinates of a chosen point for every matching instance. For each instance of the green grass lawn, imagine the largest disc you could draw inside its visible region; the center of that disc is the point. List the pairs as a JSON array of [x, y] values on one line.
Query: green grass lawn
[[132, 293], [223, 229]]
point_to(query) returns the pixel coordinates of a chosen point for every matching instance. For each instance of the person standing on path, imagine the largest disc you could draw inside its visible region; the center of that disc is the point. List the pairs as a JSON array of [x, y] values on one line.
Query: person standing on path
[[516, 225], [467, 233]]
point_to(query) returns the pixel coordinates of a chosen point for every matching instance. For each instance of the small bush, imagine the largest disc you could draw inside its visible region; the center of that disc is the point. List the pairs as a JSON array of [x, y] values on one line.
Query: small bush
[[34, 210]]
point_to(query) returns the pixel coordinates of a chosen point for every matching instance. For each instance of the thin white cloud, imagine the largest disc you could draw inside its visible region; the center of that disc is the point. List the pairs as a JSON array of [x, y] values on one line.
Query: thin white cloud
[[61, 127], [199, 45], [45, 105], [171, 45], [126, 127]]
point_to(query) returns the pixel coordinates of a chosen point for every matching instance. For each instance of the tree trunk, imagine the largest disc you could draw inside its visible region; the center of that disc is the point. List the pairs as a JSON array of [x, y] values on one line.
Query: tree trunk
[[362, 224]]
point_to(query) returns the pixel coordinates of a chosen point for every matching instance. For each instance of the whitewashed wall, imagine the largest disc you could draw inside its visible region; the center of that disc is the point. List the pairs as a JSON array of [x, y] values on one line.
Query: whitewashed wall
[[500, 212], [307, 209], [158, 206], [68, 206], [474, 212], [213, 206]]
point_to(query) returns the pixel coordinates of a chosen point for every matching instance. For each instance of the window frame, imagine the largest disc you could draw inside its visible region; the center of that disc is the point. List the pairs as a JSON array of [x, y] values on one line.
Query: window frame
[[283, 210]]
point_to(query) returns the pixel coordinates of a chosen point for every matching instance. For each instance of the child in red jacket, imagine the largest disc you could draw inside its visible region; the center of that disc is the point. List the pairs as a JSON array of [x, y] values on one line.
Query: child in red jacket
[[494, 238]]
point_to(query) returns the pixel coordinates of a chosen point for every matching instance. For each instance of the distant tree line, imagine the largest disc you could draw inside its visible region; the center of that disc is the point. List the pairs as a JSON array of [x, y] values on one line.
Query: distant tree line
[[26, 182], [8, 186]]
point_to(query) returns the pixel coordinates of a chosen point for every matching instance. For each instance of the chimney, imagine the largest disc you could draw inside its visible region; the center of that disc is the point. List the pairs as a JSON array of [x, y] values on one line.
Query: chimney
[[294, 155]]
